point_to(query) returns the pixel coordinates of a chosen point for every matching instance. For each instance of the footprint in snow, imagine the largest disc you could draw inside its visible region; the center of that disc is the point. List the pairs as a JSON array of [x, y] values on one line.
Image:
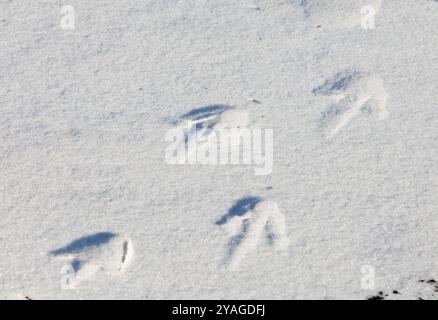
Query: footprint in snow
[[248, 220], [201, 125], [105, 252], [352, 94]]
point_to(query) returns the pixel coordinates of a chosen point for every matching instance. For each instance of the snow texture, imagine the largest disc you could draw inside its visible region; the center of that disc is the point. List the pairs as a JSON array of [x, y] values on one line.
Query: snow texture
[[90, 209]]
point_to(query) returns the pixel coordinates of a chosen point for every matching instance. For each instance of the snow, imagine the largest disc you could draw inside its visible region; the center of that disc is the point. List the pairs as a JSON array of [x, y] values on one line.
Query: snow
[[84, 117]]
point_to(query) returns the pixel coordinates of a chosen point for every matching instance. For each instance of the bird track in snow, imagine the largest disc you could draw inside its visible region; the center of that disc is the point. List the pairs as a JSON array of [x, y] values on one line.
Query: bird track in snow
[[351, 93], [101, 252], [246, 222]]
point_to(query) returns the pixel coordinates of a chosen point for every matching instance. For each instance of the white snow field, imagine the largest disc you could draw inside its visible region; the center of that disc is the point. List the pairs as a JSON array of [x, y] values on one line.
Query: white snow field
[[92, 208]]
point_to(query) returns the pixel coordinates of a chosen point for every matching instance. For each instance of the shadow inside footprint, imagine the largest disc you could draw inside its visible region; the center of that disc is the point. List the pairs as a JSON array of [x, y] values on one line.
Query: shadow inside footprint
[[76, 265], [239, 208], [205, 112], [340, 81], [333, 111], [203, 118], [306, 6], [85, 243]]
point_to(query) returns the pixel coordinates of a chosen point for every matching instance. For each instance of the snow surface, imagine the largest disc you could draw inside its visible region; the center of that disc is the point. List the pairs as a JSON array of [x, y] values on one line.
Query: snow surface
[[86, 191]]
